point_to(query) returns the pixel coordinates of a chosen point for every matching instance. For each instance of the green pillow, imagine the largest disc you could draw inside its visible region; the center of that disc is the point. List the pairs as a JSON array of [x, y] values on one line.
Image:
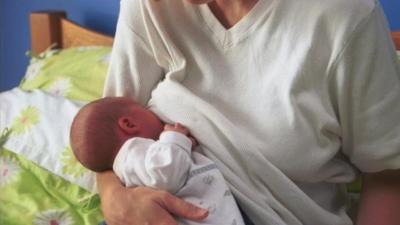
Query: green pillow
[[75, 73]]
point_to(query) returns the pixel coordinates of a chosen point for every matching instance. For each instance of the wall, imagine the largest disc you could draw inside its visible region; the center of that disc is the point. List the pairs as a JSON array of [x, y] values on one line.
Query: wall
[[392, 11], [15, 36], [15, 29]]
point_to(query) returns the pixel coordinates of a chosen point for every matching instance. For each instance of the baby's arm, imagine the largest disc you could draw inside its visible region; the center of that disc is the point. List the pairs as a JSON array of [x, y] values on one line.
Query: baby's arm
[[162, 164], [168, 160]]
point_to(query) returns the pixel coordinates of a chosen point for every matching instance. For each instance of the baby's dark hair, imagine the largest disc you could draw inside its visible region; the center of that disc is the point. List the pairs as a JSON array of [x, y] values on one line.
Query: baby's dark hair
[[94, 134]]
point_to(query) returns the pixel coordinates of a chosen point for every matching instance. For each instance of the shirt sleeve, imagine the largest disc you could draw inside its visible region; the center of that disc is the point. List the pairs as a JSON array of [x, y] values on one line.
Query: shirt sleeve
[[367, 88], [133, 70]]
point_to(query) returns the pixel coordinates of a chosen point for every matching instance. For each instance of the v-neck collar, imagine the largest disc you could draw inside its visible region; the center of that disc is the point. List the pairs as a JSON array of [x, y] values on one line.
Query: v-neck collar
[[229, 37]]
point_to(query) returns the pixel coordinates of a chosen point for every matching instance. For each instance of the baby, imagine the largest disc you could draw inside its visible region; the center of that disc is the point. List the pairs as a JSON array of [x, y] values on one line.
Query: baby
[[117, 133]]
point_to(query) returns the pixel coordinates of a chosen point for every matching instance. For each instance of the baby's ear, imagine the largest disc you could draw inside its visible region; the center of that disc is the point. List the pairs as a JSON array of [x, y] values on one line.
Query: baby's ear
[[128, 125]]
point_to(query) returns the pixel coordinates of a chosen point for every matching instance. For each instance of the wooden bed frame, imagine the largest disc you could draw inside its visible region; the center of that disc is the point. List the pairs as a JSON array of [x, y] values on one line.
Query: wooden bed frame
[[52, 28], [396, 39]]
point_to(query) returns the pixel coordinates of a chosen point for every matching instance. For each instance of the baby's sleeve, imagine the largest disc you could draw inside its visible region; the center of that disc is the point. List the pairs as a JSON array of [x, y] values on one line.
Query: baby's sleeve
[[168, 162], [162, 164], [367, 89]]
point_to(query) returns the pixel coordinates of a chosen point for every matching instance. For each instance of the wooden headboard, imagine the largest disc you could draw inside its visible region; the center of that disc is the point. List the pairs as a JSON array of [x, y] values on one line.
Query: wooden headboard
[[396, 39], [48, 28], [52, 28]]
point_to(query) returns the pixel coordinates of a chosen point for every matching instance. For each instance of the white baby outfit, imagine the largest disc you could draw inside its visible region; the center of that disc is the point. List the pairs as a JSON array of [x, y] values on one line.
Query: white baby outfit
[[169, 164]]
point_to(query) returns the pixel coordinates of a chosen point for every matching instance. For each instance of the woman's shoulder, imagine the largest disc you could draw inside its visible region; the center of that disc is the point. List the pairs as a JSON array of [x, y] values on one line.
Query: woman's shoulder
[[324, 24], [342, 11], [139, 7], [136, 13], [346, 5], [334, 20]]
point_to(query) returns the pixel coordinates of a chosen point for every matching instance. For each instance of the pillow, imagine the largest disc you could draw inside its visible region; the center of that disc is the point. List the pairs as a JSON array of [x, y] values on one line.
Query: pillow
[[36, 126], [40, 112], [33, 195], [75, 73]]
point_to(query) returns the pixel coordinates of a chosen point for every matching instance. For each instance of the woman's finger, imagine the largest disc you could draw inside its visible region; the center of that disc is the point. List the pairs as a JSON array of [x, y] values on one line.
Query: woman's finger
[[194, 141], [180, 207], [163, 218]]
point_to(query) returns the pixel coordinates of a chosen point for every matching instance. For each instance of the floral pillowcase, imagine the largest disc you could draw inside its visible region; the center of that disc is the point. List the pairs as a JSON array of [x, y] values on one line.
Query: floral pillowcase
[[37, 127], [36, 160], [38, 114], [74, 73]]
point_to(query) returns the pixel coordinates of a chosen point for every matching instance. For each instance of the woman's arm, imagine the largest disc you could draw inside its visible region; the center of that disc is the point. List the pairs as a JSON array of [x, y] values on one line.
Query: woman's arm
[[138, 206], [380, 199], [133, 70]]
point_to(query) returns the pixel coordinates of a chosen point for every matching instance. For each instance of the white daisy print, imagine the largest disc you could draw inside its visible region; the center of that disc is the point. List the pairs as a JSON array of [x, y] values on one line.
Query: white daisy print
[[53, 217], [34, 69], [48, 53], [106, 59], [9, 171], [61, 87], [88, 48], [71, 166]]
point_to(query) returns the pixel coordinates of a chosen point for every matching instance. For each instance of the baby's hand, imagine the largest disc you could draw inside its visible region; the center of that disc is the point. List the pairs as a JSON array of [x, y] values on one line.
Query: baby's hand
[[181, 129], [177, 128]]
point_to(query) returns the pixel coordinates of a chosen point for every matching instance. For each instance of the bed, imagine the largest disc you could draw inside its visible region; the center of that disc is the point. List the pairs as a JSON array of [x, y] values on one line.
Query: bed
[[40, 180]]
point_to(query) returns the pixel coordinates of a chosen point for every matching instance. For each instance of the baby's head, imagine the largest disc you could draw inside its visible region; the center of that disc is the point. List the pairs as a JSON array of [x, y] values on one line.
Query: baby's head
[[101, 127]]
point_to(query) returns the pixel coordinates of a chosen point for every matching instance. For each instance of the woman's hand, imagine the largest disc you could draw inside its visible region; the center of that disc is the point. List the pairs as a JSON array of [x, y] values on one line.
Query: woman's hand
[[142, 205], [380, 199]]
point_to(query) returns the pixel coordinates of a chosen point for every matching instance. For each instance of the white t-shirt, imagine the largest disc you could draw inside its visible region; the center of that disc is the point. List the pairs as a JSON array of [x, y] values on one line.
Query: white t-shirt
[[289, 103], [169, 164]]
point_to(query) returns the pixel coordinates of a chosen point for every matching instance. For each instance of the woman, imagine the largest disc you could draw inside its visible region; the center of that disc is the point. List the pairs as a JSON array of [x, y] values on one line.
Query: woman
[[292, 99]]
